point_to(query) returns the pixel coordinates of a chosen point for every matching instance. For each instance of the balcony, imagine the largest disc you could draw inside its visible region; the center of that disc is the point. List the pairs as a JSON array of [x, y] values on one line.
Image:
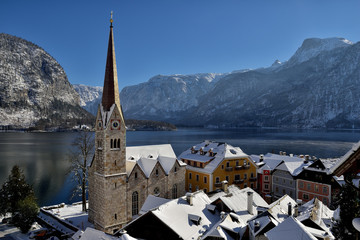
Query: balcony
[[238, 167], [228, 169], [238, 181], [218, 184], [253, 179]]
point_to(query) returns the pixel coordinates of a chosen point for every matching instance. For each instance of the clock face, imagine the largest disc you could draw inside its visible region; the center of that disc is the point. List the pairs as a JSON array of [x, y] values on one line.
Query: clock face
[[115, 124]]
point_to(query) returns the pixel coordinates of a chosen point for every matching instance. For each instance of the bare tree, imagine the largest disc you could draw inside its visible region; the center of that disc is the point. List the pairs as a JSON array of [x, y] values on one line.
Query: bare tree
[[80, 156]]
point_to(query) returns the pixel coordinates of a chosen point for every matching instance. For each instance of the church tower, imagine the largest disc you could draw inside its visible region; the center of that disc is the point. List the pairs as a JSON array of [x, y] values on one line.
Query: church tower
[[107, 173]]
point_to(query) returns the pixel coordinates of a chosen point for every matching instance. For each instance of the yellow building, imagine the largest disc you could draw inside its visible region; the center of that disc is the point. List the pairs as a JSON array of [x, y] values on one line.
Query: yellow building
[[210, 163]]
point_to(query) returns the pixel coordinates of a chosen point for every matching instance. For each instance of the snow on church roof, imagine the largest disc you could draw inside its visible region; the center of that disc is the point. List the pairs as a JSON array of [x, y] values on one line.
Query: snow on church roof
[[147, 156]]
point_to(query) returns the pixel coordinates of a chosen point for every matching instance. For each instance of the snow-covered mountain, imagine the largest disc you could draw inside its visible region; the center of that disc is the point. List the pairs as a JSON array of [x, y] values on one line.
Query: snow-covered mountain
[[34, 88], [90, 97], [319, 86]]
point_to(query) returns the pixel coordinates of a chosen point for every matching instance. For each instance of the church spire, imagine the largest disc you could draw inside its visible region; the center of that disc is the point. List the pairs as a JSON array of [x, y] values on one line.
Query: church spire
[[111, 87]]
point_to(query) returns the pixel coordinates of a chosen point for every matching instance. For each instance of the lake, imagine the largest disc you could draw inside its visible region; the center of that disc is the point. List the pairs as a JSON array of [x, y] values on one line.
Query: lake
[[42, 156]]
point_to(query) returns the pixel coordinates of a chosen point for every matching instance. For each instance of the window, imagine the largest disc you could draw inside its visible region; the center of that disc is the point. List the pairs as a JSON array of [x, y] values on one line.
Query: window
[[197, 177], [157, 172], [237, 177], [135, 203], [291, 182], [325, 190], [205, 190], [316, 188], [174, 191], [227, 178], [195, 164], [283, 191], [266, 178], [118, 143], [205, 179], [175, 169], [111, 143], [115, 216], [291, 194], [305, 196], [217, 179], [301, 184], [276, 189], [190, 175], [222, 166], [227, 164], [245, 185], [135, 175], [156, 191], [308, 186], [276, 179], [201, 165], [284, 181], [197, 188], [190, 187], [266, 186], [251, 185], [237, 163], [252, 175], [245, 176]]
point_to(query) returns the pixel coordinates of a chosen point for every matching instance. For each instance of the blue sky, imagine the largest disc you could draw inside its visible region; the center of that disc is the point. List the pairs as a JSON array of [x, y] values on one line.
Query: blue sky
[[174, 36]]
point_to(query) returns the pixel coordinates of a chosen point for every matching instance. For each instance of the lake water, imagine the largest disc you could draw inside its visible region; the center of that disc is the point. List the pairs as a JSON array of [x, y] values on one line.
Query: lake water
[[42, 156]]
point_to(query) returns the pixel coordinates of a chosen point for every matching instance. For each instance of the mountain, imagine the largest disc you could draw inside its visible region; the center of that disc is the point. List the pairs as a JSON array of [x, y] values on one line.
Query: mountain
[[318, 87], [34, 89], [90, 97]]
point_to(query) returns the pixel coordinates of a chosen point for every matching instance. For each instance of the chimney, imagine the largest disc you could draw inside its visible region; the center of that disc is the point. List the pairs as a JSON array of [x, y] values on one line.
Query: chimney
[[250, 202], [299, 202], [225, 186], [281, 153], [289, 209], [291, 155], [261, 157], [222, 215], [296, 210], [284, 153], [189, 198]]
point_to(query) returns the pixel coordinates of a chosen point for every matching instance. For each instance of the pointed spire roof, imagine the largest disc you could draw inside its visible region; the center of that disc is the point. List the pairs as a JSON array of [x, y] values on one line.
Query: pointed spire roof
[[111, 87]]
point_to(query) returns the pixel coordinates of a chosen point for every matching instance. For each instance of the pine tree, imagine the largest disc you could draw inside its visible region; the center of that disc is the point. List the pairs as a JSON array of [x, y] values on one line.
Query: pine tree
[[349, 209], [17, 198]]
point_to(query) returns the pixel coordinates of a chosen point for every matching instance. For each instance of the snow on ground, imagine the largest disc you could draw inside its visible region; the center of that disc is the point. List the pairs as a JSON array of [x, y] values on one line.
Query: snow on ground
[[72, 214]]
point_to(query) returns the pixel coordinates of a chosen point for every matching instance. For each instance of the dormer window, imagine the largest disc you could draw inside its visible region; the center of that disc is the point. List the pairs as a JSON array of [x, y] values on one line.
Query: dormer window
[[150, 156]]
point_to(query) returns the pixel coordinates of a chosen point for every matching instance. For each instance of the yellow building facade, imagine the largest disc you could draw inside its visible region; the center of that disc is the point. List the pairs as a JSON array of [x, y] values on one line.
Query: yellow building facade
[[210, 163]]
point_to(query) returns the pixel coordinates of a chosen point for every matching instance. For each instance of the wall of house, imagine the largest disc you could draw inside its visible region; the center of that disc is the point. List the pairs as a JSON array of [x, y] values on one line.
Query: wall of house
[[283, 183], [197, 183], [307, 190], [229, 168]]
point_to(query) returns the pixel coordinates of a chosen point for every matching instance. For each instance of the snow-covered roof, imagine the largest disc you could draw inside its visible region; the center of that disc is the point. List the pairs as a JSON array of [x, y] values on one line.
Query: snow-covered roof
[[269, 162], [290, 228], [344, 158], [279, 209], [147, 156], [294, 166], [176, 215], [152, 202], [319, 213], [93, 234], [222, 150]]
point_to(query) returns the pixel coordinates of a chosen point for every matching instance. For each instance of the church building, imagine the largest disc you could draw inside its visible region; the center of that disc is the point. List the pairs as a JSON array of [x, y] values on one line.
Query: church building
[[120, 177]]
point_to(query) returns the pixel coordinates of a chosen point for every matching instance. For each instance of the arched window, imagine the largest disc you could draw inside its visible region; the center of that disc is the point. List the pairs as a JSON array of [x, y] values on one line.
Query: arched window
[[135, 203], [111, 143], [174, 191], [118, 143]]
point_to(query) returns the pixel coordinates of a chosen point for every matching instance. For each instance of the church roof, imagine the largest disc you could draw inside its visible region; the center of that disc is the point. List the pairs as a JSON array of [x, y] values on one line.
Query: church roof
[[147, 156], [111, 88]]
